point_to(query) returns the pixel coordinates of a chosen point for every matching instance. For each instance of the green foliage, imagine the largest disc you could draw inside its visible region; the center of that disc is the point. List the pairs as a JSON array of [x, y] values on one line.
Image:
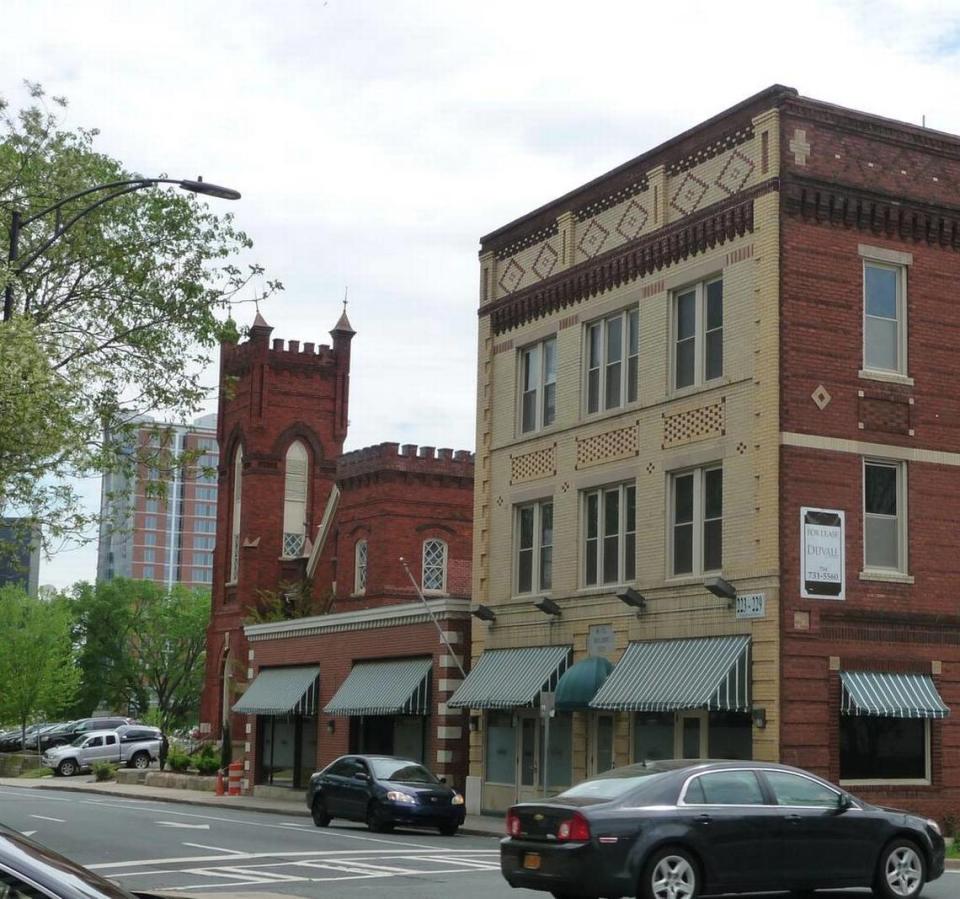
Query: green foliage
[[206, 765], [38, 673], [141, 644], [291, 599], [118, 317], [178, 760], [206, 751], [104, 771]]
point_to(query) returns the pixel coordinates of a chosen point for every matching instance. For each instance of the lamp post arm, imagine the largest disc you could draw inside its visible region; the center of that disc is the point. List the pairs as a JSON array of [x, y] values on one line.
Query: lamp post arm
[[133, 184]]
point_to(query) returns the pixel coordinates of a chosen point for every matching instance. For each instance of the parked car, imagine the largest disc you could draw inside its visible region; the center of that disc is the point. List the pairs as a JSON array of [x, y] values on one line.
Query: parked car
[[134, 746], [383, 791], [58, 735], [102, 722], [30, 869], [14, 740], [684, 829]]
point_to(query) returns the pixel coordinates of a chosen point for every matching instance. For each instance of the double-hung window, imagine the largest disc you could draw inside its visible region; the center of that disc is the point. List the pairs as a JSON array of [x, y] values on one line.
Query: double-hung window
[[698, 334], [610, 535], [696, 521], [884, 518], [612, 352], [534, 539], [884, 318], [538, 385]]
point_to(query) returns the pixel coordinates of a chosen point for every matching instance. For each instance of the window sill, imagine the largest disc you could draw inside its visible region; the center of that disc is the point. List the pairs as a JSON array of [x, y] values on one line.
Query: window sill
[[688, 580], [545, 431], [912, 782], [600, 414], [359, 595], [889, 577], [679, 393], [888, 377], [230, 584]]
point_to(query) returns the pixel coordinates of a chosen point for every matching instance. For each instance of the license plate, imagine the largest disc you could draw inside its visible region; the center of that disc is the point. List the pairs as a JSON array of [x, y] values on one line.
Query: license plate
[[531, 861]]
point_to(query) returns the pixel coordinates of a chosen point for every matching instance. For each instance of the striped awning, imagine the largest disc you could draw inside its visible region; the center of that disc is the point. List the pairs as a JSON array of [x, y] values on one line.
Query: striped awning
[[670, 675], [281, 691], [887, 695], [511, 678], [388, 687]]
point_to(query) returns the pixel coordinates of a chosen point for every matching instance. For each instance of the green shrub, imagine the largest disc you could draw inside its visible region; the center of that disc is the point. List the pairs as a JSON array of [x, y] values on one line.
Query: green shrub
[[178, 760], [104, 771], [207, 764], [206, 751]]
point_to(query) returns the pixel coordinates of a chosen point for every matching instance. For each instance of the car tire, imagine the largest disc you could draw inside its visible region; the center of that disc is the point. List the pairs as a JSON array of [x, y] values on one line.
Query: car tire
[[67, 768], [376, 823], [671, 872], [140, 761], [901, 871], [318, 811], [449, 830]]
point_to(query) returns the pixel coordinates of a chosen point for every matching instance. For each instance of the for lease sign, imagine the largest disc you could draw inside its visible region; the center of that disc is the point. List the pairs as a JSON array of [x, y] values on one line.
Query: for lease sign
[[821, 553]]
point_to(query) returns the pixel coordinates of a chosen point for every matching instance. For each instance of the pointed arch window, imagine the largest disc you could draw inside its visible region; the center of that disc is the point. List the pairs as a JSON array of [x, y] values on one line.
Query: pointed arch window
[[295, 500], [434, 573], [235, 514], [360, 567]]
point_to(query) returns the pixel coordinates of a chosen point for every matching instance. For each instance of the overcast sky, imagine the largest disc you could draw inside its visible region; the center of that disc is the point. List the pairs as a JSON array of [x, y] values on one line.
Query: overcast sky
[[375, 141]]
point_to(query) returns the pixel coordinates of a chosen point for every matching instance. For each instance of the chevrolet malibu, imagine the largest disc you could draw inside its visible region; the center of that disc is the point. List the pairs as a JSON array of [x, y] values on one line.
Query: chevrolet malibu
[[680, 829]]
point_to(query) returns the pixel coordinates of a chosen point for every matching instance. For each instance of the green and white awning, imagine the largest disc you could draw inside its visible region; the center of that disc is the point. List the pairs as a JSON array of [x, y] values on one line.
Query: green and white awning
[[671, 675], [888, 695], [281, 691], [511, 678], [388, 687]]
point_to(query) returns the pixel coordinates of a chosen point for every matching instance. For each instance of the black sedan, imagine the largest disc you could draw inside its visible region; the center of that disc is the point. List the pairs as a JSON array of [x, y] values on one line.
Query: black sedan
[[29, 869], [679, 830], [383, 791]]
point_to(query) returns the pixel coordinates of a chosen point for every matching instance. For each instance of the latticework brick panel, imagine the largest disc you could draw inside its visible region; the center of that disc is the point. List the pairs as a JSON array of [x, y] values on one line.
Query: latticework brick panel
[[541, 463], [693, 425], [607, 447]]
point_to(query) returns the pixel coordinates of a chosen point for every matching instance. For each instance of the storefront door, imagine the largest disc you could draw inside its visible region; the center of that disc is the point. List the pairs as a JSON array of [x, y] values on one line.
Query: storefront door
[[528, 756], [601, 755], [690, 735]]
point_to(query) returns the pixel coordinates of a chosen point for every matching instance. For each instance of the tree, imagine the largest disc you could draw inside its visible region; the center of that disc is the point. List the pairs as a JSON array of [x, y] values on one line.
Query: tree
[[141, 646], [117, 318], [38, 670]]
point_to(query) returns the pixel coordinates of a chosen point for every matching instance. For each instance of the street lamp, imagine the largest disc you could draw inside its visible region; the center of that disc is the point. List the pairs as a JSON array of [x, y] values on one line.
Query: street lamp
[[116, 189]]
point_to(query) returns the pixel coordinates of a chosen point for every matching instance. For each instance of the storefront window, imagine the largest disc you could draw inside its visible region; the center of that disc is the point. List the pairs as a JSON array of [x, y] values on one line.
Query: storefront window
[[560, 751], [730, 735], [501, 768], [883, 748], [652, 736], [408, 737]]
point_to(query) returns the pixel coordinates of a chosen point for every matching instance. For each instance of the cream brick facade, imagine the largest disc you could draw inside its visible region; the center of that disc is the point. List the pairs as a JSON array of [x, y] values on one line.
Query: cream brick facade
[[733, 421]]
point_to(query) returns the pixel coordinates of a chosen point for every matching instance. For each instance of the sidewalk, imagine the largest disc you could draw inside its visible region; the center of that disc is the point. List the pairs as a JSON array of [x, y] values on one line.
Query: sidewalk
[[476, 825]]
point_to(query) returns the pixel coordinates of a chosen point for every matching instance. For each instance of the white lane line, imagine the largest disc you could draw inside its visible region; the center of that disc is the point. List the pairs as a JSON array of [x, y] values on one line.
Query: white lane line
[[181, 824], [214, 848], [28, 833], [292, 824], [311, 853], [32, 792], [45, 818]]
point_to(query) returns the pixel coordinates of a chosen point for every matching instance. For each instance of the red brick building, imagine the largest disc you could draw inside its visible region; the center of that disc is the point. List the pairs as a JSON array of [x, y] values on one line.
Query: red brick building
[[351, 659]]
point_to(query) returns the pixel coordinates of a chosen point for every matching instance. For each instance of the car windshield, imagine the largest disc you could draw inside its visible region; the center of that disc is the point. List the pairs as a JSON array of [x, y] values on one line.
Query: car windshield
[[404, 772], [613, 784], [79, 741]]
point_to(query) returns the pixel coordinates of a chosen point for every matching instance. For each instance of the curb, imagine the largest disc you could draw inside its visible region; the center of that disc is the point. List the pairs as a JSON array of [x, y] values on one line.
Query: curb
[[239, 806]]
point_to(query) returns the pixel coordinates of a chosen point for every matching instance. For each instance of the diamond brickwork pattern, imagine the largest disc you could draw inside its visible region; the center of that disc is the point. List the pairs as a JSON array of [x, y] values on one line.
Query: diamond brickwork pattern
[[694, 425], [541, 463], [606, 447]]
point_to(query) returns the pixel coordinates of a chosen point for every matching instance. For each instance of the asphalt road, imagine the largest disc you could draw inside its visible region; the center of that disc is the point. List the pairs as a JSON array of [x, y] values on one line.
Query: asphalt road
[[166, 846]]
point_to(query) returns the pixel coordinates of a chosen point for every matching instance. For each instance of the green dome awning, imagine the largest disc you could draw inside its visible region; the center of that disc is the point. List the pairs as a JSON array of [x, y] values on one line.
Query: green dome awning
[[580, 683]]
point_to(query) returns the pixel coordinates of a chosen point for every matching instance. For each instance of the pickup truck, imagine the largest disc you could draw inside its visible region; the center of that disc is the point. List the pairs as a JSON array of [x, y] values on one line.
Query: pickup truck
[[133, 746]]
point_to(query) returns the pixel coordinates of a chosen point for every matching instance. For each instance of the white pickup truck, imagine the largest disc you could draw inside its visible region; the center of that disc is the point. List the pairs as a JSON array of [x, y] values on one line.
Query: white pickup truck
[[132, 745]]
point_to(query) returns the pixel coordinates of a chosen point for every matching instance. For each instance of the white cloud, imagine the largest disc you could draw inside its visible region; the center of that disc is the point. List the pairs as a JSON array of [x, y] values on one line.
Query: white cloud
[[376, 140]]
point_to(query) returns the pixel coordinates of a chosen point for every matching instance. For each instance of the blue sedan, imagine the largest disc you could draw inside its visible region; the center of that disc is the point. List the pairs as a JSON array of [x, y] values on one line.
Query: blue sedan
[[383, 792]]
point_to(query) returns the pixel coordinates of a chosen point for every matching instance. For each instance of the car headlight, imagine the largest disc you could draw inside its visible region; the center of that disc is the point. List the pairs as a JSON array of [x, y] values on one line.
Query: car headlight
[[397, 796], [933, 825], [457, 799]]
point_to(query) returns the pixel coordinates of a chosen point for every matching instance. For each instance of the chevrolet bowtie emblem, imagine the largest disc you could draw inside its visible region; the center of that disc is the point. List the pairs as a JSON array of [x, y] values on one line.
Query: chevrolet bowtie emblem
[[538, 817]]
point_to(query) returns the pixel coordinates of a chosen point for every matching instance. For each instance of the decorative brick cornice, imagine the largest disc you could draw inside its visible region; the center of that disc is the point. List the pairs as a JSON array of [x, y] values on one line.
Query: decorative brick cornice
[[729, 139], [876, 127], [894, 216], [881, 627], [716, 225], [527, 240]]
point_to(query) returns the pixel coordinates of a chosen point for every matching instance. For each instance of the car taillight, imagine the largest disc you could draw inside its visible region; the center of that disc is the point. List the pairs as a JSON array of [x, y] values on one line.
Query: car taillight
[[575, 829], [513, 825]]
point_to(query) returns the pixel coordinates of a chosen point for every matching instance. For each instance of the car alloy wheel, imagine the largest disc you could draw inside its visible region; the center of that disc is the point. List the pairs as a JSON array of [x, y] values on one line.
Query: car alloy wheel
[[672, 874], [141, 760], [67, 768], [901, 874]]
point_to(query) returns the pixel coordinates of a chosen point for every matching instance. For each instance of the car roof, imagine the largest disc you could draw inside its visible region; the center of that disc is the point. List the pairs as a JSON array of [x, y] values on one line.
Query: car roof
[[112, 731]]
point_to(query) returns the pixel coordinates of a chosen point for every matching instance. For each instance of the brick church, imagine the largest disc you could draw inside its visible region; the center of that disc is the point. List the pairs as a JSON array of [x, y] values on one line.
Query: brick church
[[341, 589]]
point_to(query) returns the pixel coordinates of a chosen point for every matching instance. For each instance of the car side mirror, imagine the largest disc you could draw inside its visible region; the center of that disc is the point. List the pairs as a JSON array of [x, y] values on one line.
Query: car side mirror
[[442, 780], [844, 803], [361, 775]]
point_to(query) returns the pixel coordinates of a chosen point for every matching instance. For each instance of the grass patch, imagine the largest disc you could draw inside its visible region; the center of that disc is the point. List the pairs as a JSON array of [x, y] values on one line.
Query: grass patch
[[953, 850], [34, 773]]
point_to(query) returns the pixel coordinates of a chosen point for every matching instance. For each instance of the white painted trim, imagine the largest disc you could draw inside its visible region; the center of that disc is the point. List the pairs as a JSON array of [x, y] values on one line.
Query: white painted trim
[[862, 448], [882, 254], [889, 577], [888, 377], [361, 619]]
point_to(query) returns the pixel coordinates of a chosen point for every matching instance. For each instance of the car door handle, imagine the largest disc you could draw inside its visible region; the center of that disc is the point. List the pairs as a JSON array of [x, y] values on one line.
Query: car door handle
[[793, 819], [702, 819]]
